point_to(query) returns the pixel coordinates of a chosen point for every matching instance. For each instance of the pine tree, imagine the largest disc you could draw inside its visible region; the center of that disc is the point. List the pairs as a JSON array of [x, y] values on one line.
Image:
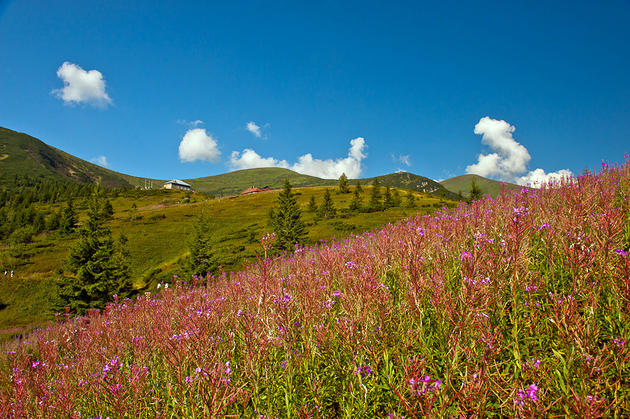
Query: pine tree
[[343, 184], [375, 197], [396, 198], [475, 191], [53, 221], [286, 220], [68, 219], [358, 187], [388, 201], [312, 205], [411, 200], [202, 259], [107, 211], [327, 208], [357, 201], [96, 268]]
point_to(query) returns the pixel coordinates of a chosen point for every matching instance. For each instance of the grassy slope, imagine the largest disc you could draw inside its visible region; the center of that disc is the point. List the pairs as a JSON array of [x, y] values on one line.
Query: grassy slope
[[405, 180], [488, 186], [22, 154], [235, 182], [158, 240]]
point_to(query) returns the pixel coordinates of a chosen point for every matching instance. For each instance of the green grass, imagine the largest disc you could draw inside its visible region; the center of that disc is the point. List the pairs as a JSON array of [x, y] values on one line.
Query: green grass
[[490, 187], [158, 231]]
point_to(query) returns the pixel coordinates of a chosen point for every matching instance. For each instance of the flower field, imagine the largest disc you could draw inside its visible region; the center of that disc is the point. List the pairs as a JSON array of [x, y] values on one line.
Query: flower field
[[515, 306]]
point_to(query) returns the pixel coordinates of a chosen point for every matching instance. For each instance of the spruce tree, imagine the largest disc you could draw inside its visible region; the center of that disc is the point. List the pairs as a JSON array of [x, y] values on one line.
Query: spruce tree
[[68, 219], [286, 220], [312, 205], [327, 208], [357, 201], [396, 198], [107, 211], [358, 187], [375, 197], [202, 259], [343, 184], [388, 200], [411, 200], [475, 191], [97, 267]]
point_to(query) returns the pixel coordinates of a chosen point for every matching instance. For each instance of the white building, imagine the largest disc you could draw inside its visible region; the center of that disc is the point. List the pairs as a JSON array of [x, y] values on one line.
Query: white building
[[177, 184]]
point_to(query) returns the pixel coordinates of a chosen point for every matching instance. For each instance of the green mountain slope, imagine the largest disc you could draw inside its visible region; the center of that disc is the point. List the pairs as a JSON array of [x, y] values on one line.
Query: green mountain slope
[[405, 180], [21, 154], [488, 186], [233, 183]]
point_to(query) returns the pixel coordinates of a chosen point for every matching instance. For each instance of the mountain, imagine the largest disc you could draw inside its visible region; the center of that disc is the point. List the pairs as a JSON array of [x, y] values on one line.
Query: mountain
[[233, 183], [490, 187], [405, 180], [21, 154]]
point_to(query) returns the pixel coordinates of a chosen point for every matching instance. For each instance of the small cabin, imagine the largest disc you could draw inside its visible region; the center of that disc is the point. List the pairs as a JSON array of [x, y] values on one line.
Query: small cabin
[[177, 184]]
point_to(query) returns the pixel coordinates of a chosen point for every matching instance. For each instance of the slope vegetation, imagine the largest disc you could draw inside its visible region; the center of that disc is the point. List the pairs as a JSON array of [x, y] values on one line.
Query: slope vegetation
[[514, 307], [21, 154], [462, 184]]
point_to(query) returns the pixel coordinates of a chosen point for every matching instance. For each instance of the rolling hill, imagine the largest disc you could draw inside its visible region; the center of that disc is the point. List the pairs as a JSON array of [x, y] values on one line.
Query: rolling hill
[[21, 154], [490, 187]]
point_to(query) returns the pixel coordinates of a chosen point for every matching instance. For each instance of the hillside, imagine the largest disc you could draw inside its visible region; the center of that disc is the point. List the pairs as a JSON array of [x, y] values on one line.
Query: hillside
[[233, 183], [21, 154], [158, 224], [502, 308], [490, 187], [405, 180]]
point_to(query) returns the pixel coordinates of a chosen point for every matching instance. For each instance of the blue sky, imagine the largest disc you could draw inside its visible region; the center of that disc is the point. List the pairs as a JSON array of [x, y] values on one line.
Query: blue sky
[[365, 87]]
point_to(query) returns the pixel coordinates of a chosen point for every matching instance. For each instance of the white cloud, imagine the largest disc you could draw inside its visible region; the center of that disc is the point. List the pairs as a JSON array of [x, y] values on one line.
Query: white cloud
[[538, 177], [253, 128], [190, 124], [197, 144], [100, 160], [404, 159], [306, 164], [80, 86], [509, 159], [249, 159]]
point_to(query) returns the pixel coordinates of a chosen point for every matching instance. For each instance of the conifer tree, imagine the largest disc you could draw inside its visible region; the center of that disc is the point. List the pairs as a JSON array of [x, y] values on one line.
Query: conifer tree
[[202, 259], [327, 208], [68, 219], [375, 197], [97, 266], [312, 205], [388, 200], [358, 187], [411, 200], [396, 198], [343, 184], [475, 191], [107, 211], [53, 221], [286, 220], [357, 201]]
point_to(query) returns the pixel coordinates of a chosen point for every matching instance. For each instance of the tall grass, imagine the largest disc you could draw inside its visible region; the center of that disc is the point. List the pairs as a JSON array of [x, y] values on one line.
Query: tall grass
[[515, 306]]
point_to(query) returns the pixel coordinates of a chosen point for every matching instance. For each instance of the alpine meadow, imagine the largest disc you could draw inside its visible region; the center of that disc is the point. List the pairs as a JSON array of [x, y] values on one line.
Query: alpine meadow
[[314, 210]]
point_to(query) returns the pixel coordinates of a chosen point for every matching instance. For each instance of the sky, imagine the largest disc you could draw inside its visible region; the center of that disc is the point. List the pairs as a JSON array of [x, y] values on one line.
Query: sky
[[514, 91]]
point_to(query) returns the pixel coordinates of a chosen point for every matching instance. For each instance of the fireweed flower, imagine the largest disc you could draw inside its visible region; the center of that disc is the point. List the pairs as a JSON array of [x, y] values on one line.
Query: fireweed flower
[[526, 396]]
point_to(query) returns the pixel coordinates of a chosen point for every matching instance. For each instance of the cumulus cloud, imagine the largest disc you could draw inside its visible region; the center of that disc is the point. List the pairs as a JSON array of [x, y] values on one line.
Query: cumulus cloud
[[197, 144], [404, 159], [306, 164], [190, 124], [509, 159], [538, 177], [100, 160], [80, 86], [253, 128]]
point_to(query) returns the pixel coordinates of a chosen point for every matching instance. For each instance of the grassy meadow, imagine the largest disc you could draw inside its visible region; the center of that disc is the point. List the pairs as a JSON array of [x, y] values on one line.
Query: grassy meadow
[[508, 307], [158, 229]]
